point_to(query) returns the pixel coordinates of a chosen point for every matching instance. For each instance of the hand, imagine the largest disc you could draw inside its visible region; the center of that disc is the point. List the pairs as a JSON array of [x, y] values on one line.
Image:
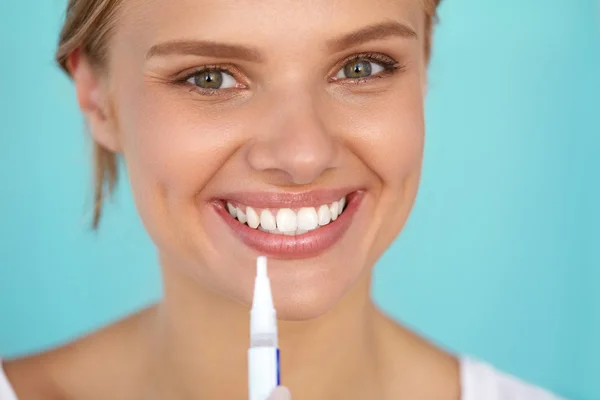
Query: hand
[[280, 393]]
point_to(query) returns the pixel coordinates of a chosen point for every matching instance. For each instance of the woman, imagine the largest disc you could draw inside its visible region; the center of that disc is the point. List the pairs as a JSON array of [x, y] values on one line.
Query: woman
[[290, 129]]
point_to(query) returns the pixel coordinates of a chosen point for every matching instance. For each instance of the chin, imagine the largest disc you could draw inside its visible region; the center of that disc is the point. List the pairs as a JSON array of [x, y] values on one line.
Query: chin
[[314, 293]]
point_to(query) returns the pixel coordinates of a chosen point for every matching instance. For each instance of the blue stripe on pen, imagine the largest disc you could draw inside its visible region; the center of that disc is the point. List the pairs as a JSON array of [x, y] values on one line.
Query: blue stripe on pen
[[278, 370]]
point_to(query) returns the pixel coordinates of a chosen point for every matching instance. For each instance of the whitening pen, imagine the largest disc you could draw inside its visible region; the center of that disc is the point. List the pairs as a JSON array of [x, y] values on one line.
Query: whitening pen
[[263, 354]]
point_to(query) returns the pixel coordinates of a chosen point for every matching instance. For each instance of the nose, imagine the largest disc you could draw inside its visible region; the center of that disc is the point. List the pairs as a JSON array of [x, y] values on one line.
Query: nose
[[297, 148]]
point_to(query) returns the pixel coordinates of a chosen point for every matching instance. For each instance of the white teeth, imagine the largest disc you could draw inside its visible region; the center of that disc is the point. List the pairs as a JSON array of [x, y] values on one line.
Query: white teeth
[[308, 218], [232, 210], [335, 207], [253, 218], [267, 220], [324, 214], [241, 216], [286, 220]]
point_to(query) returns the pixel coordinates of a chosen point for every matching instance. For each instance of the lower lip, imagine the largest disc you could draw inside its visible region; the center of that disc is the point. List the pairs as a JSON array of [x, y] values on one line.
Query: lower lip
[[307, 245]]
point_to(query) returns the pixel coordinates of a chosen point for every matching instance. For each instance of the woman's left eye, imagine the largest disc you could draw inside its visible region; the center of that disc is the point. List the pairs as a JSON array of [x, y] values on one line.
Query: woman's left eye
[[213, 79], [359, 68]]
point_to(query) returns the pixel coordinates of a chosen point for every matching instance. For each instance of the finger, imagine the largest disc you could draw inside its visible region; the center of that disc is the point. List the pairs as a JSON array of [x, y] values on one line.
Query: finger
[[280, 393]]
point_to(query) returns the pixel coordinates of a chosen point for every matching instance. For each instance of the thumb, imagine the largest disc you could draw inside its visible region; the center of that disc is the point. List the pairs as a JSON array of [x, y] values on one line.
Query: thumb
[[280, 393]]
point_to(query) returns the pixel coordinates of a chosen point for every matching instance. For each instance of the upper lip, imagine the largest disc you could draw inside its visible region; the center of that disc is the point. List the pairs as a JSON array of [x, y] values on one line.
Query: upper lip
[[288, 199]]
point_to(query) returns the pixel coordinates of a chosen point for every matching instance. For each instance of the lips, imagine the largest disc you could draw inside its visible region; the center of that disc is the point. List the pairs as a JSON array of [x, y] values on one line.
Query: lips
[[289, 225]]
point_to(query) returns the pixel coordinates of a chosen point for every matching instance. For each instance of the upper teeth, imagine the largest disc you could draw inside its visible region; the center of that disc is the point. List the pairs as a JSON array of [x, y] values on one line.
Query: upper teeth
[[286, 220]]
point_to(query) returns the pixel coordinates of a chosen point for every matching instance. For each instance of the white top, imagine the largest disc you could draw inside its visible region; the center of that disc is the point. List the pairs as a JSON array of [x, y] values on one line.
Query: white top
[[479, 381]]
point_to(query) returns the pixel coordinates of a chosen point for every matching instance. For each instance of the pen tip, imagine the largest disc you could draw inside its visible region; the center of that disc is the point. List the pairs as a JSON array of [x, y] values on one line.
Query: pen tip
[[261, 266]]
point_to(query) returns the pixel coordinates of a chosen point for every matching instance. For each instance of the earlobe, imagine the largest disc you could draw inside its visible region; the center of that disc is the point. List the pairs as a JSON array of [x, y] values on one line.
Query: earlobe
[[93, 100]]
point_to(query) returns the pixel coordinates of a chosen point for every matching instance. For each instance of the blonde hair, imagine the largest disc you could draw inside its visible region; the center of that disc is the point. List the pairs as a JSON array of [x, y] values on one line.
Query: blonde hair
[[87, 28]]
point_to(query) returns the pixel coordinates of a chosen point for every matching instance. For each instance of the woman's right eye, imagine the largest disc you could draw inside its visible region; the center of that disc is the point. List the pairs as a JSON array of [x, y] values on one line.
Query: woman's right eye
[[213, 79]]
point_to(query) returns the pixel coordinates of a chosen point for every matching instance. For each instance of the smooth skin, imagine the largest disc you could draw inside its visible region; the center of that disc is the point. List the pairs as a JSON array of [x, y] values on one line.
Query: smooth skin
[[285, 120]]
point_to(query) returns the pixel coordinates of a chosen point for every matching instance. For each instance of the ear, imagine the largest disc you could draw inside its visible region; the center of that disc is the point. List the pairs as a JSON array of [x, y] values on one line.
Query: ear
[[93, 99]]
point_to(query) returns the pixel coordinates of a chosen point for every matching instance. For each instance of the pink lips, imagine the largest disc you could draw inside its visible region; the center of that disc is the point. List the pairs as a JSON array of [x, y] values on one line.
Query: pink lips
[[307, 245]]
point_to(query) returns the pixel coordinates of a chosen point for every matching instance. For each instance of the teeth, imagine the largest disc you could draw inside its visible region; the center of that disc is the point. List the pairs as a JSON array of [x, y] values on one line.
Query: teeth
[[253, 218], [232, 210], [308, 219], [342, 204], [324, 215], [267, 220], [334, 207], [287, 221], [241, 216]]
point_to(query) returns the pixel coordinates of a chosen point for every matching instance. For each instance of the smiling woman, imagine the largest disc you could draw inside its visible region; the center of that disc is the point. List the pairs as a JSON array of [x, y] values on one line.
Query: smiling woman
[[270, 127]]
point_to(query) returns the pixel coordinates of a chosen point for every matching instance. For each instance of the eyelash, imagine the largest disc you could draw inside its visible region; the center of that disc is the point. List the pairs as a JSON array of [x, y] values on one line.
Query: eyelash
[[390, 67]]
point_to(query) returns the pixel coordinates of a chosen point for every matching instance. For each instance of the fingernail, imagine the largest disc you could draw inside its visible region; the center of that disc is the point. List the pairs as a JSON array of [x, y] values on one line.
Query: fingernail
[[281, 393]]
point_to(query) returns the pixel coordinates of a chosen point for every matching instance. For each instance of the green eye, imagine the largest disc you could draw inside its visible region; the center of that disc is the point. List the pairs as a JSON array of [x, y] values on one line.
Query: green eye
[[213, 79], [359, 68]]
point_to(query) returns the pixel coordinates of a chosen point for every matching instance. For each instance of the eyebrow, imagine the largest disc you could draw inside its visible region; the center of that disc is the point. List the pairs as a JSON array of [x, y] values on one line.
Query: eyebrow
[[206, 49], [223, 50], [370, 33]]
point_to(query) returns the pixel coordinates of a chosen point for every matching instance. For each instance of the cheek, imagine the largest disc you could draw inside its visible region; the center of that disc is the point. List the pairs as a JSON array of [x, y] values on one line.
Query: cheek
[[171, 144], [172, 150], [388, 135]]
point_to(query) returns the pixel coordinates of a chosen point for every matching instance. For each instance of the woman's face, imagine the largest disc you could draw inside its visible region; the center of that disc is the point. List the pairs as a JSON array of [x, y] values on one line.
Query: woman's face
[[291, 108]]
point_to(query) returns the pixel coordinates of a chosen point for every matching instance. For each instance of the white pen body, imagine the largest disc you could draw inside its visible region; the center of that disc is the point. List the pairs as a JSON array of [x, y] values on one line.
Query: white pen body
[[263, 372], [263, 355]]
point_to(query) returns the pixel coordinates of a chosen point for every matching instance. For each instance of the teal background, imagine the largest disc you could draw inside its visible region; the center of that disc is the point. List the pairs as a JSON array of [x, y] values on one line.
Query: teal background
[[500, 259]]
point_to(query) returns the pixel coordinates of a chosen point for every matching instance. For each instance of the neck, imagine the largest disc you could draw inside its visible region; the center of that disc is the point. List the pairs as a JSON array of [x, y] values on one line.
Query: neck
[[203, 340]]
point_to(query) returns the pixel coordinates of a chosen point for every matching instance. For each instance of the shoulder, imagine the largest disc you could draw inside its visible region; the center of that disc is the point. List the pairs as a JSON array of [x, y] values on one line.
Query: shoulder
[[71, 371], [482, 381], [30, 377]]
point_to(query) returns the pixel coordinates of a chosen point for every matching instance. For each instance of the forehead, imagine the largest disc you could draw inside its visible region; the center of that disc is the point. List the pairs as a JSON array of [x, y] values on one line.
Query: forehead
[[259, 22]]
